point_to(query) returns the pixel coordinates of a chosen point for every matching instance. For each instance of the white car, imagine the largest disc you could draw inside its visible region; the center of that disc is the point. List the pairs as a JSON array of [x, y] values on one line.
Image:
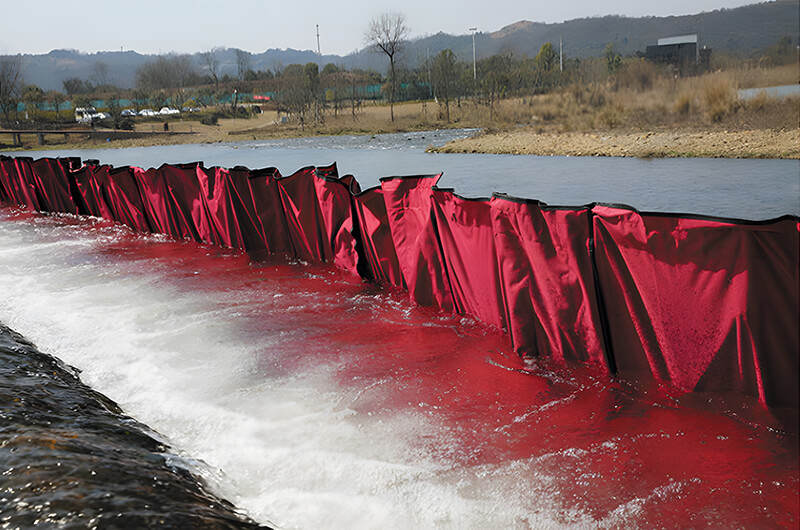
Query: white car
[[87, 115], [148, 112], [128, 112], [168, 110]]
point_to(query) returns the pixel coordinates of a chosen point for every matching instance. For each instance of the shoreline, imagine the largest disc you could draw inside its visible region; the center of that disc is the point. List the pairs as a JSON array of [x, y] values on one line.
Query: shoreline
[[675, 143]]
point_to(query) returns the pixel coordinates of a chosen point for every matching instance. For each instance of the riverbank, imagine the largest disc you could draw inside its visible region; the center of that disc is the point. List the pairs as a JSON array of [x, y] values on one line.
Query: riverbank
[[535, 139], [757, 143]]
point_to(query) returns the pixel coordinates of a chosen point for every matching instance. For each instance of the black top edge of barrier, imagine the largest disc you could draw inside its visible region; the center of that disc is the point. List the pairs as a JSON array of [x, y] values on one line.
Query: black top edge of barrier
[[364, 192], [113, 170], [697, 216], [410, 177], [452, 191], [183, 165], [327, 178], [644, 213], [263, 172], [732, 220], [305, 169], [315, 170]]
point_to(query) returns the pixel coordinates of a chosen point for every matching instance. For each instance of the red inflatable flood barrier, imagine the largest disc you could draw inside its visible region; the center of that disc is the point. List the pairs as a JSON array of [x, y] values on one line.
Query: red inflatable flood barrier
[[701, 303]]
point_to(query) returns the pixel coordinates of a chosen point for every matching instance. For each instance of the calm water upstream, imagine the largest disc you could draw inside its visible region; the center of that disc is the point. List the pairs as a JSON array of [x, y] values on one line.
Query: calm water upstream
[[310, 399], [747, 189]]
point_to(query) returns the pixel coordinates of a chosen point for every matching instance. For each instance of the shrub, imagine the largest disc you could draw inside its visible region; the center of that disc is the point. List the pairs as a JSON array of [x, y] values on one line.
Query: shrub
[[638, 75], [211, 119], [718, 94], [684, 103]]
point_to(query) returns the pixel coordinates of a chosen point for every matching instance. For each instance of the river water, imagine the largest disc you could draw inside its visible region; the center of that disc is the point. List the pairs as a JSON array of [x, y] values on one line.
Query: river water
[[744, 189], [311, 399]]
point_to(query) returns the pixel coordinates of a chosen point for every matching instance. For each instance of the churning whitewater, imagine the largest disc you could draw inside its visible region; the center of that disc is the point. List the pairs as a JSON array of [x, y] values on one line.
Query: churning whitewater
[[311, 399]]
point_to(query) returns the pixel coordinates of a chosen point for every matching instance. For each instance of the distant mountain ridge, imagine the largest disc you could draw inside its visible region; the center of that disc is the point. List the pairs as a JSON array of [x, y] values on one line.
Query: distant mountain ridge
[[741, 31]]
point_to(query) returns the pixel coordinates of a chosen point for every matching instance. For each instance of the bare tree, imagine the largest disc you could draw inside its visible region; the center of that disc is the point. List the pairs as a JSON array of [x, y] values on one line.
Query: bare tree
[[445, 75], [100, 73], [10, 84], [166, 71], [56, 99], [387, 34], [243, 63], [211, 61]]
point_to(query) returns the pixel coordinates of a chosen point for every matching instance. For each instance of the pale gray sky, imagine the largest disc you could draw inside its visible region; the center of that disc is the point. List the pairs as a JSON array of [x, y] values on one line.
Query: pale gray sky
[[162, 26]]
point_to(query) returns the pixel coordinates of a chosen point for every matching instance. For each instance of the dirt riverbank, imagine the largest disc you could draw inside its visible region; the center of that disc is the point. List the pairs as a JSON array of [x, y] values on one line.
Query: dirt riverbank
[[655, 144], [374, 119]]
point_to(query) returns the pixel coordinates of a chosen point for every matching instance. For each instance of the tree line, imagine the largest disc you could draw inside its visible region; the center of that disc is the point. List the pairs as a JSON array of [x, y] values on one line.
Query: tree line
[[306, 92]]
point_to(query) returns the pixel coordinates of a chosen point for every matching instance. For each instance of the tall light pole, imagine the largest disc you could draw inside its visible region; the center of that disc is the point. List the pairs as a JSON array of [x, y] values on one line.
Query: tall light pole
[[474, 68]]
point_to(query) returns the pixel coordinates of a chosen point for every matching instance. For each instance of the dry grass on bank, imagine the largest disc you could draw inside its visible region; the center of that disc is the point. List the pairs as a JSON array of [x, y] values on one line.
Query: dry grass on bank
[[639, 98]]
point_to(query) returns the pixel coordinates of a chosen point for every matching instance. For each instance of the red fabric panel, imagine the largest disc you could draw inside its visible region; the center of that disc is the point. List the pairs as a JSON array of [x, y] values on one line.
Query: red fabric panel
[[52, 184], [26, 184], [90, 198], [547, 280], [267, 206], [303, 216], [161, 210], [121, 197], [4, 196], [704, 304], [333, 198], [9, 182], [185, 196], [232, 218], [376, 241], [409, 210], [467, 240]]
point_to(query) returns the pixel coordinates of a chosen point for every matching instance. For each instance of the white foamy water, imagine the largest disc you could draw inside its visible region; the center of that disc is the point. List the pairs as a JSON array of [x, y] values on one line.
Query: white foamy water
[[311, 399], [279, 438]]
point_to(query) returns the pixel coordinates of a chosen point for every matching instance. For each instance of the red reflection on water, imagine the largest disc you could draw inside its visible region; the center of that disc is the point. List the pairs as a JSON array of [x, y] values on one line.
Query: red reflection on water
[[624, 452]]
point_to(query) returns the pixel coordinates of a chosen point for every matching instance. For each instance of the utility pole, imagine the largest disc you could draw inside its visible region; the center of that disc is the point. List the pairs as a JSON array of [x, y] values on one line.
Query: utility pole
[[318, 51], [428, 62], [474, 67]]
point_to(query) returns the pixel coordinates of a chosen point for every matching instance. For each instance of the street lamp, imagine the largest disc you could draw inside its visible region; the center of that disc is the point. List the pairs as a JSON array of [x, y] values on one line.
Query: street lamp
[[474, 68]]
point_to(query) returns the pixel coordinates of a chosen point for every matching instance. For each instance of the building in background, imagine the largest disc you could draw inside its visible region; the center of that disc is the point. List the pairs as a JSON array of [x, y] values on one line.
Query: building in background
[[681, 52]]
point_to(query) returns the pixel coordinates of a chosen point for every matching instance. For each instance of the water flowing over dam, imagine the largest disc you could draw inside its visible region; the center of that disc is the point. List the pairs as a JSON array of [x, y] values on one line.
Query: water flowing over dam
[[476, 388]]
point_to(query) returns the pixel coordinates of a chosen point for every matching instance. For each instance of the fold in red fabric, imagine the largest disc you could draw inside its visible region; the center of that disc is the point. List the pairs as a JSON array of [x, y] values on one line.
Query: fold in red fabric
[[381, 263], [467, 240], [304, 222], [409, 210], [52, 185], [120, 195], [333, 199], [702, 304], [546, 279]]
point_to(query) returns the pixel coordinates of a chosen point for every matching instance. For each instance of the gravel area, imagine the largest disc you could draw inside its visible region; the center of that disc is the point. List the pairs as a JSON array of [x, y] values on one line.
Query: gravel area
[[708, 144]]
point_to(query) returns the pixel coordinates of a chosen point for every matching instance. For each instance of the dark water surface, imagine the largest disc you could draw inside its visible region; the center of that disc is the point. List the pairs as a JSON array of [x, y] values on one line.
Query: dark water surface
[[311, 399], [742, 189], [70, 459]]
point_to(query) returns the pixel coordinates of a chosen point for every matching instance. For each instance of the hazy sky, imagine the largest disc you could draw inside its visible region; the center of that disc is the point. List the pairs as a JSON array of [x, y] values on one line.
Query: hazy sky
[[161, 26]]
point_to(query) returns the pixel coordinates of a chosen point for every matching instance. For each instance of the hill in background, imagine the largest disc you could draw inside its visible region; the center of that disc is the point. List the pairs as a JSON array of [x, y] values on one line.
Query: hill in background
[[740, 32]]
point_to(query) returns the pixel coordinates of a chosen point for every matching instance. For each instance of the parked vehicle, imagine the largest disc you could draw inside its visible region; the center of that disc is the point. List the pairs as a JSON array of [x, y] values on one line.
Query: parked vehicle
[[87, 115], [128, 112], [148, 112], [165, 111]]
